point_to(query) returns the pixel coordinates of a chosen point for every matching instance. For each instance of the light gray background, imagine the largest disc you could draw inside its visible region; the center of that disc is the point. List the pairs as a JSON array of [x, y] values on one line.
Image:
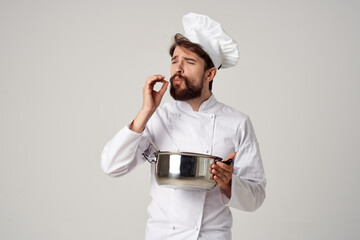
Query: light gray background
[[71, 74]]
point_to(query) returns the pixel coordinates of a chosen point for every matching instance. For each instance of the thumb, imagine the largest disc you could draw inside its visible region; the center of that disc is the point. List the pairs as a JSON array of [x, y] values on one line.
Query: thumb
[[231, 155], [163, 88]]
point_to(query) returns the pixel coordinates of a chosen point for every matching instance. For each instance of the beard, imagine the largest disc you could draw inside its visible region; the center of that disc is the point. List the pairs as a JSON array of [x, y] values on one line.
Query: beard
[[191, 91]]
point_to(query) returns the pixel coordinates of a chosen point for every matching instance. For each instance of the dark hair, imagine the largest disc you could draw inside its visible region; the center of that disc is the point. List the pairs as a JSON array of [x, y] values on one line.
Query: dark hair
[[181, 41]]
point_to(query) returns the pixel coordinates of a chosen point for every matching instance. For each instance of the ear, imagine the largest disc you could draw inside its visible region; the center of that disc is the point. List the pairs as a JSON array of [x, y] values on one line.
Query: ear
[[210, 74]]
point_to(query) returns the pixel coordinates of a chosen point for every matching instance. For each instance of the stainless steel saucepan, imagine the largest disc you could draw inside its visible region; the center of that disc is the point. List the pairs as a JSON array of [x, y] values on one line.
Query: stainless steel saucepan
[[183, 169]]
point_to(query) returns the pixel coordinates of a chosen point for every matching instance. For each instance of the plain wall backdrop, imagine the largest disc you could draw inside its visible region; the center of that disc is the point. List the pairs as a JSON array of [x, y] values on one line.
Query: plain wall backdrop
[[71, 76]]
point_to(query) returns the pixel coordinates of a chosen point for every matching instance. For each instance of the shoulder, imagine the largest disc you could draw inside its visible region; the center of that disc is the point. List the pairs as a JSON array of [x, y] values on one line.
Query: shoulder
[[239, 121], [227, 111]]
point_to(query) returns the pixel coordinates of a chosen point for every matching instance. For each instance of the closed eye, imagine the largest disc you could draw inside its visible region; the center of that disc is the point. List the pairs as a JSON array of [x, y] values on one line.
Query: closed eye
[[188, 60]]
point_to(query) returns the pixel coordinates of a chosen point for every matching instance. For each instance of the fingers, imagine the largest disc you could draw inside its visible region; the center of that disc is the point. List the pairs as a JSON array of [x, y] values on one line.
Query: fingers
[[219, 177], [163, 88], [224, 167], [220, 181], [152, 80], [155, 77], [152, 98], [225, 170], [222, 173]]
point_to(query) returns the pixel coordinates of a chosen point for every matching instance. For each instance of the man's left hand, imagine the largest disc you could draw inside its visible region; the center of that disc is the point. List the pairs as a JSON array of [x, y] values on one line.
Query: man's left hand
[[222, 174]]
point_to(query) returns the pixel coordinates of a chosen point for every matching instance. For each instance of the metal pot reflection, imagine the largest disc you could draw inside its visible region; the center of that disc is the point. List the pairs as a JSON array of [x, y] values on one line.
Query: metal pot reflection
[[183, 169]]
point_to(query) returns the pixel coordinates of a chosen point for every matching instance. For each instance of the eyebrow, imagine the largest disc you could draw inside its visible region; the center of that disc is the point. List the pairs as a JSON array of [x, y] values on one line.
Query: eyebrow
[[190, 59], [186, 58]]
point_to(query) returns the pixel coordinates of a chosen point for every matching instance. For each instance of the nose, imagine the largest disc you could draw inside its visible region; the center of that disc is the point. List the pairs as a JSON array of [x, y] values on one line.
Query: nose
[[179, 68]]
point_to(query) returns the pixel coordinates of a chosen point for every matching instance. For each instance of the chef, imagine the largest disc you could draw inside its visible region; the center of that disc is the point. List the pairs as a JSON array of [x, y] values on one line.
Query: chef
[[194, 122]]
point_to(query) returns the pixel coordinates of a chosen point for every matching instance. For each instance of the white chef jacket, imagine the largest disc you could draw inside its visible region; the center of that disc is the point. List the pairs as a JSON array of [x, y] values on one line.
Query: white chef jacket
[[215, 129]]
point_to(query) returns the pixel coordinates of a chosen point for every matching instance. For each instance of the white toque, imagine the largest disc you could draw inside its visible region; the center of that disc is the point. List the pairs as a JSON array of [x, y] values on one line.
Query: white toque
[[209, 34]]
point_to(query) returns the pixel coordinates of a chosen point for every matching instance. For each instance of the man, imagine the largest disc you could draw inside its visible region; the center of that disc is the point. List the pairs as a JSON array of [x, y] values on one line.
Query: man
[[195, 122]]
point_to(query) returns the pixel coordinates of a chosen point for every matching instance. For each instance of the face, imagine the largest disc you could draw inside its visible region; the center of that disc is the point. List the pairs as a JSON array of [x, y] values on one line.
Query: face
[[187, 71]]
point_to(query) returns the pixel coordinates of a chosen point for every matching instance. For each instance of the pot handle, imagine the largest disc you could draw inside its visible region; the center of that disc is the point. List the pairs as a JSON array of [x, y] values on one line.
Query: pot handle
[[227, 162], [151, 159]]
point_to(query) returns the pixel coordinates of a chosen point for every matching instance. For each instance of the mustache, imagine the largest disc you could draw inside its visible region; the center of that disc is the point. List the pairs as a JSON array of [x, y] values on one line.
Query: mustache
[[177, 75]]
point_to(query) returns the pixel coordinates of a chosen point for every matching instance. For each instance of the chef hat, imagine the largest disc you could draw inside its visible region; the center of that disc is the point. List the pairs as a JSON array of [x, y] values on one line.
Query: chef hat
[[212, 38]]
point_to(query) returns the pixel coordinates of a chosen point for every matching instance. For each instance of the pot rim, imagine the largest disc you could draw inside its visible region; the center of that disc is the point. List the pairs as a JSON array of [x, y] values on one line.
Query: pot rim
[[189, 154]]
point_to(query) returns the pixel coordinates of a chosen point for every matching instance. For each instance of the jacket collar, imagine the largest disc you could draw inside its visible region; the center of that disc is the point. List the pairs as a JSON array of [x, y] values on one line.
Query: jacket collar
[[204, 107]]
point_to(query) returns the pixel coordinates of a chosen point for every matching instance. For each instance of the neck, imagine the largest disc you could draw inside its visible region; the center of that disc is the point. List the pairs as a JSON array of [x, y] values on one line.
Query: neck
[[196, 103]]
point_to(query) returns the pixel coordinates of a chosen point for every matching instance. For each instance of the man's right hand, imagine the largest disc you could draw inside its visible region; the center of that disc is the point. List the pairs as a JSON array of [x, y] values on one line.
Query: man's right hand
[[151, 100]]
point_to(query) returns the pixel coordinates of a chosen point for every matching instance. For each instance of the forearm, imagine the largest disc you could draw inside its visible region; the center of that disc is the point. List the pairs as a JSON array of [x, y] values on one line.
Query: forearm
[[123, 152], [140, 121]]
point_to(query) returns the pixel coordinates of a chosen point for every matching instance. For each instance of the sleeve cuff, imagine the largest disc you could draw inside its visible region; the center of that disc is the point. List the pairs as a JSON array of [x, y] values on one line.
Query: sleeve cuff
[[131, 132]]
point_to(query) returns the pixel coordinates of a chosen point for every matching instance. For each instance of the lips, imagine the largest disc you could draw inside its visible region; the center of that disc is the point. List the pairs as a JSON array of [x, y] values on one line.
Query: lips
[[177, 81]]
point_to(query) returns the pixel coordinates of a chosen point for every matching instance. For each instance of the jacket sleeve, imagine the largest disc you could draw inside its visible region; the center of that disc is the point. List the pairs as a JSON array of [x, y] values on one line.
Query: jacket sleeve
[[124, 152], [248, 180]]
